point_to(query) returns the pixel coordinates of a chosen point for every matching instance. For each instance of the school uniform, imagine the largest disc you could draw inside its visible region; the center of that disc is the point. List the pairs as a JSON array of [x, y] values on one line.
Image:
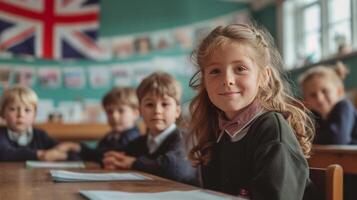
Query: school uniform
[[262, 161], [167, 158], [112, 141], [12, 151], [340, 127]]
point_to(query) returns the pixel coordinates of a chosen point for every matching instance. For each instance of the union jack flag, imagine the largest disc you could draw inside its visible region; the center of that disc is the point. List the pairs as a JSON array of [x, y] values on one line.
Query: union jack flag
[[50, 29]]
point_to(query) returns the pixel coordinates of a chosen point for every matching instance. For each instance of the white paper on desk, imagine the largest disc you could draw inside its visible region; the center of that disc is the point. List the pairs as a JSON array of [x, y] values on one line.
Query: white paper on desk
[[42, 164], [172, 195], [67, 176]]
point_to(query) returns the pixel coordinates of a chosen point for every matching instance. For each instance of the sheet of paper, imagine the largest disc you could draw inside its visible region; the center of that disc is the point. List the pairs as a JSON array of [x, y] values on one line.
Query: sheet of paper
[[41, 164], [172, 195], [67, 176]]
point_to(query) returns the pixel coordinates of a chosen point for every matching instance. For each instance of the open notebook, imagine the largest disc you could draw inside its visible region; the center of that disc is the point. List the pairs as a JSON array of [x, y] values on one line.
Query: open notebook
[[68, 176], [172, 195], [52, 165]]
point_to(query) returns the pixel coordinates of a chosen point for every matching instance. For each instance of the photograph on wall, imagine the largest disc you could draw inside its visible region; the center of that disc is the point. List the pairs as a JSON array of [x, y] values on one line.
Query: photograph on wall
[[162, 40], [5, 76], [24, 76], [74, 77], [99, 77], [49, 77], [184, 38], [143, 45], [123, 47], [122, 75]]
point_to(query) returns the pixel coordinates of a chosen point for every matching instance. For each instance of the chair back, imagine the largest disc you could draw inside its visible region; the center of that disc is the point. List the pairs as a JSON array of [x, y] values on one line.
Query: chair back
[[329, 181]]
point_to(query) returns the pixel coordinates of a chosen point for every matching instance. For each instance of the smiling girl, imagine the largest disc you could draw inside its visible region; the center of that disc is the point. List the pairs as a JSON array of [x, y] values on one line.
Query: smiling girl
[[252, 135]]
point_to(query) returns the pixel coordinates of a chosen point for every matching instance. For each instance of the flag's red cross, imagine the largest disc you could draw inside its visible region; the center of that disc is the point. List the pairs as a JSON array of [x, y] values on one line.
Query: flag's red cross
[[49, 19]]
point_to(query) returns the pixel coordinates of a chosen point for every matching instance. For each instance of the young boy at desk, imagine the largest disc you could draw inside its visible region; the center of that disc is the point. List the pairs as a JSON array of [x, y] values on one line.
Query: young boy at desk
[[19, 141], [161, 151], [121, 108]]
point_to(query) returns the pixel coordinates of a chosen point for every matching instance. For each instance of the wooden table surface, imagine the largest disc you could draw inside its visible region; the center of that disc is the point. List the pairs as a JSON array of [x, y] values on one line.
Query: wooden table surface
[[344, 155], [17, 182]]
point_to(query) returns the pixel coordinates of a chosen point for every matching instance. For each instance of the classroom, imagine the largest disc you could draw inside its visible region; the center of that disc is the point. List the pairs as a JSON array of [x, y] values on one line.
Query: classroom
[[178, 99]]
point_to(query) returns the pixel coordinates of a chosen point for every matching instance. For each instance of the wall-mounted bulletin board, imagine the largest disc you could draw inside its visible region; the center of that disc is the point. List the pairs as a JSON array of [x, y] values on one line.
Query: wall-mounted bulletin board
[[75, 88]]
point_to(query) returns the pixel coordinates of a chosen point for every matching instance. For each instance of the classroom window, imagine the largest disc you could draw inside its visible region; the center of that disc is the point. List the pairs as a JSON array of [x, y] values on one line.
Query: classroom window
[[314, 29]]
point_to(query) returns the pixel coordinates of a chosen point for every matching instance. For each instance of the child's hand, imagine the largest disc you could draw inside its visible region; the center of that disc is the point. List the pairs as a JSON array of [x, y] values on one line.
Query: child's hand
[[68, 146], [117, 160], [51, 155]]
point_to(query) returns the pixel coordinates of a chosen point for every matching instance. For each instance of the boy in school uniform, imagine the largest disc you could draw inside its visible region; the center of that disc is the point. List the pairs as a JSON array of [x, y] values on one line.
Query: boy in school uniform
[[121, 109], [19, 141], [161, 151]]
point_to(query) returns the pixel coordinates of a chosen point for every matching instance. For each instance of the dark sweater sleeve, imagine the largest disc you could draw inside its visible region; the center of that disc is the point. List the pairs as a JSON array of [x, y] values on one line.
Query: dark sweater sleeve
[[43, 141], [172, 163], [278, 174], [337, 128], [9, 151], [280, 171]]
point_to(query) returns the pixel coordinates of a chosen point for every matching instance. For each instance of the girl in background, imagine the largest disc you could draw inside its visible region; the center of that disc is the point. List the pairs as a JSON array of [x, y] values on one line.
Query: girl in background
[[324, 94]]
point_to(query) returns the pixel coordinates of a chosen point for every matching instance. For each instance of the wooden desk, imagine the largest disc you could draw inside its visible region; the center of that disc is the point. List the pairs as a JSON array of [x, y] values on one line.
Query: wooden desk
[[75, 132], [80, 132], [344, 155], [17, 182]]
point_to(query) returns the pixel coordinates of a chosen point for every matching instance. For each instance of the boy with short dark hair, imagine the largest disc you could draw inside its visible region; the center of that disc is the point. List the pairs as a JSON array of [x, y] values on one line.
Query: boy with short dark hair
[[161, 151], [121, 108]]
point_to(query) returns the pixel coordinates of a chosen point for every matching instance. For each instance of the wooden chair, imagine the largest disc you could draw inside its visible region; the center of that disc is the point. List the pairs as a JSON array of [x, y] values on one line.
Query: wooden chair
[[329, 181]]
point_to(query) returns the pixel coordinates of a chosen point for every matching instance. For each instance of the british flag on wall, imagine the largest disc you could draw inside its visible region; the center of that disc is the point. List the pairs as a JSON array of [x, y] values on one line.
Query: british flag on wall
[[50, 29]]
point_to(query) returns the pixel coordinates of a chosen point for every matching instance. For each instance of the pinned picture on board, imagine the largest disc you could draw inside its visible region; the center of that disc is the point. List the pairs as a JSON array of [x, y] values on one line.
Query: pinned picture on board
[[99, 77], [122, 75], [74, 77], [143, 45], [24, 76], [5, 76], [123, 47], [49, 77]]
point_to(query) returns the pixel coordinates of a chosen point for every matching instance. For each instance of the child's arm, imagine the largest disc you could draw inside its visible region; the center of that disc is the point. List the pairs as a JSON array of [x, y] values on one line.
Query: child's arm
[[337, 129], [69, 146], [117, 160], [51, 155], [171, 163], [9, 153]]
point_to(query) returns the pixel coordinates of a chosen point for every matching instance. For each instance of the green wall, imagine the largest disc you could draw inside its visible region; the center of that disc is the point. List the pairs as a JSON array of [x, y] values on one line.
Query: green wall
[[120, 17], [267, 17]]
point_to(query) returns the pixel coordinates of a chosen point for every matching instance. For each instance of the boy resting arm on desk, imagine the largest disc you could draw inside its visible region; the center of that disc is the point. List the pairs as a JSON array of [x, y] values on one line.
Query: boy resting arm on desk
[[19, 141], [162, 151], [121, 108]]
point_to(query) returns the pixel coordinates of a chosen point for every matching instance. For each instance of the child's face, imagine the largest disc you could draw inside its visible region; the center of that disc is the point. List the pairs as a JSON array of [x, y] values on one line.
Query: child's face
[[121, 117], [321, 94], [231, 78], [159, 112], [19, 116]]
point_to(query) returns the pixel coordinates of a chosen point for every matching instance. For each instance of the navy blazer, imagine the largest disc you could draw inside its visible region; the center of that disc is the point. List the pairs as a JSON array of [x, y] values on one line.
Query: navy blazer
[[109, 142], [168, 161], [11, 151], [340, 127]]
